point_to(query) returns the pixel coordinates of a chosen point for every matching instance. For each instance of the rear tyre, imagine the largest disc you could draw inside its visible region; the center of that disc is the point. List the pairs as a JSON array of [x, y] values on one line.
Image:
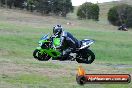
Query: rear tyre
[[85, 56], [41, 57]]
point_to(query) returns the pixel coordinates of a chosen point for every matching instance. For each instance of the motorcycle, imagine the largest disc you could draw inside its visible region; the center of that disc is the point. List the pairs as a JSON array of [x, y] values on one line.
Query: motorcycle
[[123, 28], [47, 50]]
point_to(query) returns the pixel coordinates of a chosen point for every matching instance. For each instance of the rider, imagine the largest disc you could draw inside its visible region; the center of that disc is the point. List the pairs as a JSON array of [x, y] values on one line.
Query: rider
[[66, 39], [123, 27]]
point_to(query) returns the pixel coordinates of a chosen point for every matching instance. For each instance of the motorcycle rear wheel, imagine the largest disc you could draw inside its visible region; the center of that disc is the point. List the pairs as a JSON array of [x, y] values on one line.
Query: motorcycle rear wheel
[[41, 57], [85, 56]]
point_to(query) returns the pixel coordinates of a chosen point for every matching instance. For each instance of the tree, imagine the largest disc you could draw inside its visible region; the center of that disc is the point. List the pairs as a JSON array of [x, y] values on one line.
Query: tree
[[65, 7], [19, 3], [30, 4], [57, 7], [88, 11], [10, 3], [2, 2], [95, 12], [120, 14], [129, 18], [43, 6]]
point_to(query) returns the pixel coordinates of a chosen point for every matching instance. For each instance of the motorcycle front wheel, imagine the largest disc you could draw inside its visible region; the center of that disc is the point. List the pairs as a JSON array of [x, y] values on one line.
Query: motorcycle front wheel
[[41, 57], [85, 56]]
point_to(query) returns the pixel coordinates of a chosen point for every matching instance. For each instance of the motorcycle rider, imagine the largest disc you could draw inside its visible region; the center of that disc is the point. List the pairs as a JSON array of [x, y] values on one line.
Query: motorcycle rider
[[68, 43], [123, 27]]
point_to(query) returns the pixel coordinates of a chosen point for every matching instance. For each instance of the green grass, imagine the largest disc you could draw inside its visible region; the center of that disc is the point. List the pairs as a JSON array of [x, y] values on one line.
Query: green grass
[[109, 46], [20, 70], [39, 81], [27, 79]]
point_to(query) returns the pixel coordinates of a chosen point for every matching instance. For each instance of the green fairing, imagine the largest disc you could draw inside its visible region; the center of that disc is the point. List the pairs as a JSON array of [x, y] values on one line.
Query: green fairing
[[51, 52], [56, 41]]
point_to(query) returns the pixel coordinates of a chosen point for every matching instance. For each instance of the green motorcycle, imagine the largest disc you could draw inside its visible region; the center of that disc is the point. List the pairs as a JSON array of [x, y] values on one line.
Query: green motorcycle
[[47, 50]]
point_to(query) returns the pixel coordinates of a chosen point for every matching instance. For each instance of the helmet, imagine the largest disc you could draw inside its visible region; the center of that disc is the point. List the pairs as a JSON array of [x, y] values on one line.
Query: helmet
[[57, 30]]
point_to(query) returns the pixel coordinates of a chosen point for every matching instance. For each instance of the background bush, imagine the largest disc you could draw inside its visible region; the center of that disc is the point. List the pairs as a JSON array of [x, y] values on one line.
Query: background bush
[[56, 7], [88, 11], [120, 14]]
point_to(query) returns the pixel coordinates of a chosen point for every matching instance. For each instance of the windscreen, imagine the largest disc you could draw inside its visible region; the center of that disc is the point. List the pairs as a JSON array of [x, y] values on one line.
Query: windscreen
[[45, 37]]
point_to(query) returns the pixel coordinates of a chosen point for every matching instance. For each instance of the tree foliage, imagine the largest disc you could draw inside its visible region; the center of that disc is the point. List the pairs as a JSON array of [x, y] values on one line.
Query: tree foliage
[[57, 7], [120, 14], [88, 11], [11, 3], [43, 6]]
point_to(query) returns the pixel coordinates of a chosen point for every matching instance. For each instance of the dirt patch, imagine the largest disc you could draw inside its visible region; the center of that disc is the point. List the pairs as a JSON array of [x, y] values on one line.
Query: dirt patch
[[7, 85], [116, 65], [3, 52], [12, 69], [69, 69], [122, 66], [21, 17]]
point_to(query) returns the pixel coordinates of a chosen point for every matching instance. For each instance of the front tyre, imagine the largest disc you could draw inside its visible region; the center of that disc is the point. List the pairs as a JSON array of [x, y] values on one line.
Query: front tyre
[[41, 57], [85, 56]]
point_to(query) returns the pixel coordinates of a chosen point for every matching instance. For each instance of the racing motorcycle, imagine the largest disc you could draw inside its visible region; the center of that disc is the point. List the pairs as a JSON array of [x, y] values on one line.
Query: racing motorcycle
[[47, 50]]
